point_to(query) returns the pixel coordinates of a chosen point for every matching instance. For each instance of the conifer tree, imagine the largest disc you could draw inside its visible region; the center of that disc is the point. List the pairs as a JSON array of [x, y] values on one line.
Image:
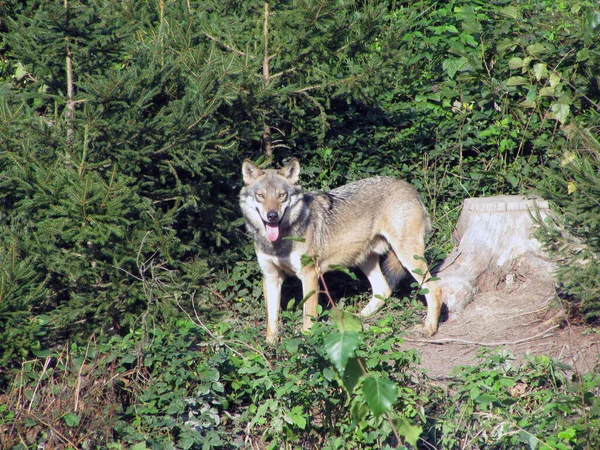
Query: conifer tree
[[108, 141], [123, 126], [573, 237]]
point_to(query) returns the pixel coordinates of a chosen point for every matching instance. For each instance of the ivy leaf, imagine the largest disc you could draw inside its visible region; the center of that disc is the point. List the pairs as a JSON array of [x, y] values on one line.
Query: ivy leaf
[[340, 347], [380, 394]]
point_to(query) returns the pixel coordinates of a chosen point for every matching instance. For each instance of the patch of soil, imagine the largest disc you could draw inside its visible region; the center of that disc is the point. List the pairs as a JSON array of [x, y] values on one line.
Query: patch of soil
[[521, 320]]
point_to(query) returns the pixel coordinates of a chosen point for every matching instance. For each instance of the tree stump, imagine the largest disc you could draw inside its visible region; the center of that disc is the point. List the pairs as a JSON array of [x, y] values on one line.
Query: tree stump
[[496, 250]]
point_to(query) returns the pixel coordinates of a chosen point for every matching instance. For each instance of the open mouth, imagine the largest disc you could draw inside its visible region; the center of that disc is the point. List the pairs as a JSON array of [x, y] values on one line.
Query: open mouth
[[272, 231]]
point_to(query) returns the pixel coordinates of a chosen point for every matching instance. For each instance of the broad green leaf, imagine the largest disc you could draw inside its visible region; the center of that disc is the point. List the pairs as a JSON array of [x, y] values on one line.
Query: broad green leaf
[[569, 434], [307, 260], [560, 112], [293, 238], [486, 399], [526, 62], [451, 66], [342, 269], [408, 430], [139, 446], [515, 63], [346, 321], [531, 100], [592, 21], [536, 49], [583, 55], [20, 72], [506, 44], [528, 438], [528, 104], [298, 417], [359, 411], [380, 394], [340, 347], [540, 71], [547, 91], [310, 293], [352, 374], [516, 81], [554, 79], [509, 11], [72, 420], [568, 158]]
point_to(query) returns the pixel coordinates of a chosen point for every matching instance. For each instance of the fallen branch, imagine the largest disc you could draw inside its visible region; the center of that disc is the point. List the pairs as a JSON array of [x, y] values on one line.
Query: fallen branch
[[482, 344]]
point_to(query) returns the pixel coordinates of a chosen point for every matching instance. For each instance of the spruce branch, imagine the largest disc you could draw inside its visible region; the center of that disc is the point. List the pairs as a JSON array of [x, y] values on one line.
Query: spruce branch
[[70, 112], [228, 47], [266, 140]]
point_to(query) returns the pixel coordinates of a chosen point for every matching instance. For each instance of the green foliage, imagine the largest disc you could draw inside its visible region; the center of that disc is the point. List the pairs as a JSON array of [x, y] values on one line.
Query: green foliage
[[533, 405], [572, 238], [122, 125], [224, 387]]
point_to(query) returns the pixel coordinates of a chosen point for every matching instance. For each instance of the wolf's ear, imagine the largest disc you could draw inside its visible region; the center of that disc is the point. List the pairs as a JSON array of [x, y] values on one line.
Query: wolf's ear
[[250, 172], [291, 170]]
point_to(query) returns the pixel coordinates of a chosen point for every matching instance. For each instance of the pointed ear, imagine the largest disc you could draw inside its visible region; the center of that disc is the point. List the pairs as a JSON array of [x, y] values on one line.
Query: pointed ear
[[250, 172], [291, 170]]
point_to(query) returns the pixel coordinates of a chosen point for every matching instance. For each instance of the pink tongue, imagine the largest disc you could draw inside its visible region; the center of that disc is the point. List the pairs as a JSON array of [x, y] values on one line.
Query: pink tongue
[[272, 232]]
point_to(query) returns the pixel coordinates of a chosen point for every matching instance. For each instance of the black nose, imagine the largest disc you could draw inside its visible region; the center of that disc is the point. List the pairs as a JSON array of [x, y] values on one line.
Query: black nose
[[273, 216]]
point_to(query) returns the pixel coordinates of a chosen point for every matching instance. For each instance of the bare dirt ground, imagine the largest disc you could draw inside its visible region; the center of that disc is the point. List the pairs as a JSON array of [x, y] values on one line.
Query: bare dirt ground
[[521, 320]]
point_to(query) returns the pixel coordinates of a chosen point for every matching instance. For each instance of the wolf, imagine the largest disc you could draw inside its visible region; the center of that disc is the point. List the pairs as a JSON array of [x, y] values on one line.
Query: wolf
[[350, 226]]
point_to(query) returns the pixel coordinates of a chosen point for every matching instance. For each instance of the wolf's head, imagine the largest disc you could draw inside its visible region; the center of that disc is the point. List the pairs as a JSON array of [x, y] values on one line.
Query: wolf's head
[[269, 196]]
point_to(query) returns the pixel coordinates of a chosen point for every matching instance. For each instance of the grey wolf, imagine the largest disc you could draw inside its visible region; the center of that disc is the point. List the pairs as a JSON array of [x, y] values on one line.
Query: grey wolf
[[352, 225]]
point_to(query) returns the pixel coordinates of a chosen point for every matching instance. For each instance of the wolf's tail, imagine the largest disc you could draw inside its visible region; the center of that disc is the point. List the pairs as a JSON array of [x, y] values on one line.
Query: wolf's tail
[[393, 269]]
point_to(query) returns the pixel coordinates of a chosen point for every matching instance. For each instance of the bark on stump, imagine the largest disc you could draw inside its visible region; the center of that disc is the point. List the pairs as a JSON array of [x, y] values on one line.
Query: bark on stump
[[496, 250]]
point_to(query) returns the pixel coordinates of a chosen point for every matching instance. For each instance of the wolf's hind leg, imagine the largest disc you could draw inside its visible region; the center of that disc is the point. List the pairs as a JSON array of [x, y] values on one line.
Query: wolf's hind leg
[[406, 255], [379, 284]]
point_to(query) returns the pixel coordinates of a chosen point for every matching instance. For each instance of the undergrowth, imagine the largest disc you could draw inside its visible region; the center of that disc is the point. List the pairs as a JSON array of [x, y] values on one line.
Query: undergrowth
[[219, 386]]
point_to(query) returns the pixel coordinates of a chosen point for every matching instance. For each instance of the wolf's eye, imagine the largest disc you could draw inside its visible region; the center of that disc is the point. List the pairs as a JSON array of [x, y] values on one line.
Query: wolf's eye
[[260, 196], [282, 196]]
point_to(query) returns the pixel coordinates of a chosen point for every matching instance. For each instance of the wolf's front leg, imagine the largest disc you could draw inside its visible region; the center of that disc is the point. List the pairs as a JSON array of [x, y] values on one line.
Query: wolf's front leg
[[272, 281], [310, 291]]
